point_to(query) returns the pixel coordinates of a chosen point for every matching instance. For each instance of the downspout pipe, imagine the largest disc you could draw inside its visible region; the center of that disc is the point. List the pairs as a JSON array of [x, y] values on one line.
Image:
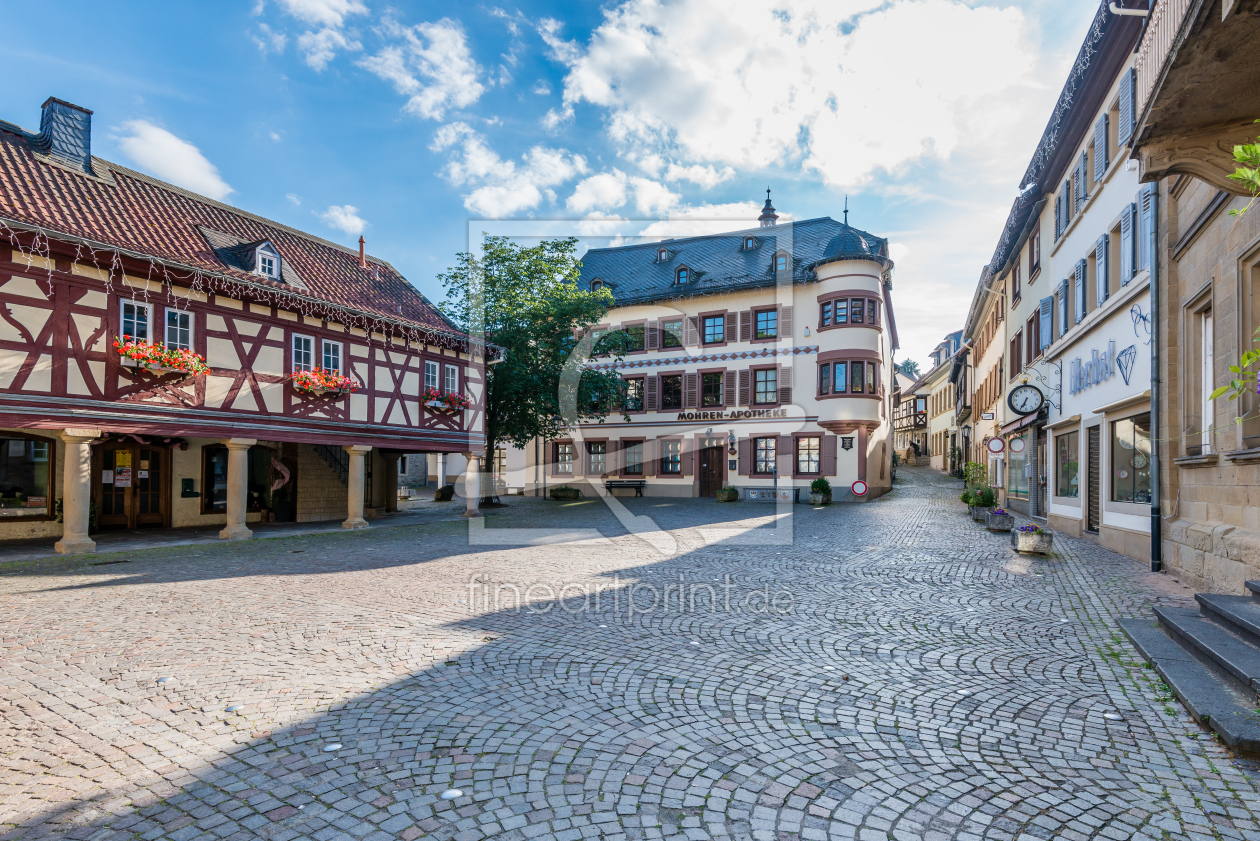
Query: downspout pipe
[[1115, 9], [1157, 520]]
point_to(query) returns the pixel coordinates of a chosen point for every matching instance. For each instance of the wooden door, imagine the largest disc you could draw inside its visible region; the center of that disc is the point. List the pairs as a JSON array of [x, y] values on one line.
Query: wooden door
[[131, 486], [1092, 516], [711, 464]]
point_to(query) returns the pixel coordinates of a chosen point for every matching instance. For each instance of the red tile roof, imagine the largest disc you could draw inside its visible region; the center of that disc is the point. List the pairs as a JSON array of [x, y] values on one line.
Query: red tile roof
[[133, 211]]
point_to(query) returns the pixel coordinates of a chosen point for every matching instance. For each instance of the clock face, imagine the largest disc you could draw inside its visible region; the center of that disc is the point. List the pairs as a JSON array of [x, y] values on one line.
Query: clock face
[[1025, 399]]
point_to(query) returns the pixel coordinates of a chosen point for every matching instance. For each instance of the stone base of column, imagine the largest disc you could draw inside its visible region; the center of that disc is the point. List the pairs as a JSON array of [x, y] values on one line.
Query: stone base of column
[[76, 546], [355, 523], [472, 514], [236, 533]]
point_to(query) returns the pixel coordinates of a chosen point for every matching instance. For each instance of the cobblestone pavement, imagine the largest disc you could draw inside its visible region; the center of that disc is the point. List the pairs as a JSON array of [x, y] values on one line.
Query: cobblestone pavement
[[920, 682]]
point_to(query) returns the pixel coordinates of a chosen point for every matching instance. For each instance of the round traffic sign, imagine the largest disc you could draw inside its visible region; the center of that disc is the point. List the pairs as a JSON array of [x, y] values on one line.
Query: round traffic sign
[[995, 445], [859, 488]]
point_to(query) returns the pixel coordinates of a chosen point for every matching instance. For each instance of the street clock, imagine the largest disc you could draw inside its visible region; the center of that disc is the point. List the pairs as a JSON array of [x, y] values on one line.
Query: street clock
[[1025, 399]]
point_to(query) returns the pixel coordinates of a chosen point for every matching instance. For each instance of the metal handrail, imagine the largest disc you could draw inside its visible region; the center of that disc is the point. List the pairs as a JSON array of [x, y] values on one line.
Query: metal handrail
[[1162, 27]]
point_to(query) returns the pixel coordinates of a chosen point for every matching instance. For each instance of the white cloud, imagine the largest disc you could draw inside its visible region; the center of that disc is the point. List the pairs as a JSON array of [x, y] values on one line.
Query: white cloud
[[331, 13], [274, 135], [652, 198], [703, 176], [708, 219], [321, 47], [542, 88], [269, 40], [502, 188], [294, 199], [343, 217], [602, 192], [849, 88], [166, 156], [596, 224], [431, 64]]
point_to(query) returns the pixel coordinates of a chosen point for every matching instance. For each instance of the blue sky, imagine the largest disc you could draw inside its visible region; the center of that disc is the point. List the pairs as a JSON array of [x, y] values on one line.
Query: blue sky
[[404, 121]]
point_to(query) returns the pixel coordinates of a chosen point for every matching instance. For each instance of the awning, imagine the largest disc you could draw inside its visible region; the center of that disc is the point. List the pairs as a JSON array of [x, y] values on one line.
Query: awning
[[1059, 424], [1015, 426], [1125, 403]]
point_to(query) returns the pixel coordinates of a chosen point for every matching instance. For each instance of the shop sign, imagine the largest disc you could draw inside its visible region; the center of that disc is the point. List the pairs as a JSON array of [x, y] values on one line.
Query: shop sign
[[733, 415], [1100, 367]]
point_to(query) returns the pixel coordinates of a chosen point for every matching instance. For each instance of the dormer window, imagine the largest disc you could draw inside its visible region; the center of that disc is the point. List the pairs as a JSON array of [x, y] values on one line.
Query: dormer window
[[780, 263], [684, 275], [749, 243], [266, 265], [597, 285], [267, 261], [662, 255]]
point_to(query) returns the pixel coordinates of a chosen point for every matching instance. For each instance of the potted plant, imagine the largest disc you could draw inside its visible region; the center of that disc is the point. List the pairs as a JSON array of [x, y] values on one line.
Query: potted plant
[[820, 492], [728, 494], [982, 499], [447, 401], [156, 356], [999, 519], [1032, 540], [319, 381], [565, 493]]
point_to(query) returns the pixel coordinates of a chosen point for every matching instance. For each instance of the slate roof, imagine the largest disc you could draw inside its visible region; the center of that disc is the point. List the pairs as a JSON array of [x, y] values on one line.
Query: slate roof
[[120, 207], [720, 263]]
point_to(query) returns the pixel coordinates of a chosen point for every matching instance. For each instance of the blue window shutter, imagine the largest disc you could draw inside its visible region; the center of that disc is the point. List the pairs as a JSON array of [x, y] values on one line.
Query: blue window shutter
[[1064, 321], [1100, 148], [1146, 226], [1128, 265], [1101, 269], [1058, 216], [1067, 202], [1079, 291], [1047, 317], [1128, 93], [1076, 189], [1083, 168]]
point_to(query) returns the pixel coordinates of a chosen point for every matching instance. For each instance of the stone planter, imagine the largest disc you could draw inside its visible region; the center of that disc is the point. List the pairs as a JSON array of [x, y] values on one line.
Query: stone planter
[[999, 522], [820, 499], [565, 494], [979, 512], [1029, 543], [728, 496]]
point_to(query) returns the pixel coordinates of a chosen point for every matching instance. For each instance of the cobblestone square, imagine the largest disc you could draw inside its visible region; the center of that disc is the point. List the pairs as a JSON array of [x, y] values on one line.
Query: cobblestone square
[[894, 671]]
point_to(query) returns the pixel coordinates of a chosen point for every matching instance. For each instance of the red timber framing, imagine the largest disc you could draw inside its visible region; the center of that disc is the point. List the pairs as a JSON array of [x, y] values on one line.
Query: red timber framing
[[59, 315]]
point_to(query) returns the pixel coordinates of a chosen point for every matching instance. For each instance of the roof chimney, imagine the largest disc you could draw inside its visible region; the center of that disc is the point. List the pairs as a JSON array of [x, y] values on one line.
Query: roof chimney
[[362, 256], [65, 133]]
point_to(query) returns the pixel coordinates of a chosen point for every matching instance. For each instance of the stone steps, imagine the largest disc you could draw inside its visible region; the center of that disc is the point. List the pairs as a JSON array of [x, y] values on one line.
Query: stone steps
[[1210, 658]]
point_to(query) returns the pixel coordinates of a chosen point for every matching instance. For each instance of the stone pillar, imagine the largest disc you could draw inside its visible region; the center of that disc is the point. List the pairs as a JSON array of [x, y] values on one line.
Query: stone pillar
[[441, 457], [237, 488], [76, 492], [472, 486], [354, 488]]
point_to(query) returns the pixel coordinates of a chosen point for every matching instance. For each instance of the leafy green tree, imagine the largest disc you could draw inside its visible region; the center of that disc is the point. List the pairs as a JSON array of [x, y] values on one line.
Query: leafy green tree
[[910, 368], [1248, 172], [526, 301]]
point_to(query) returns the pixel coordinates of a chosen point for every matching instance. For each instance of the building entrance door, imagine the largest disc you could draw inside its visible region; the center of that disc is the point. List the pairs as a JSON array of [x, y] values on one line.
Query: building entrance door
[[1092, 497], [131, 485], [711, 459]]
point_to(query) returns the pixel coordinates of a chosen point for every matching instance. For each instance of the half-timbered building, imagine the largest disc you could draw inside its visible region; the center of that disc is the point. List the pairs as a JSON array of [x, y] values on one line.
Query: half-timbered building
[[169, 360]]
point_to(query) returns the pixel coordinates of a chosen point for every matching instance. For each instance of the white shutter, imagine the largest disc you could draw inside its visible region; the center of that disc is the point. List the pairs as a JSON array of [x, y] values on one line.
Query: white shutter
[[1146, 226], [1100, 148], [1128, 265], [1046, 313], [1101, 269]]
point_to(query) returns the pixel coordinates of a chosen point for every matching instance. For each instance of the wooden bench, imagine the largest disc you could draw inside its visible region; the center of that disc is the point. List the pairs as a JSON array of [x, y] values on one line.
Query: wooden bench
[[637, 484]]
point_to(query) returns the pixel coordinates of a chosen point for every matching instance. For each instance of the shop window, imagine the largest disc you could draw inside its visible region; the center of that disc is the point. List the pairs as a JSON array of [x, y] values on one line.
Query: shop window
[[671, 333], [671, 391], [767, 324], [763, 455], [632, 456], [714, 329], [1067, 481], [671, 457], [634, 394], [1017, 467], [807, 450], [767, 388], [564, 458], [597, 458], [710, 390], [25, 471], [1131, 459]]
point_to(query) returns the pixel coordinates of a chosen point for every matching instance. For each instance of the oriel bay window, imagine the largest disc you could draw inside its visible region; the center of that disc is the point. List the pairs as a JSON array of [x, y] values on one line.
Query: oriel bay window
[[764, 455], [671, 391], [842, 376], [25, 472], [838, 312], [824, 378], [807, 454], [710, 390], [765, 385]]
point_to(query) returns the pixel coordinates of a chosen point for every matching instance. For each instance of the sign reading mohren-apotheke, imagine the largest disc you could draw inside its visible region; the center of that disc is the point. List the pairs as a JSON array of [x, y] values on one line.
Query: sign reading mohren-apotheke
[[738, 413]]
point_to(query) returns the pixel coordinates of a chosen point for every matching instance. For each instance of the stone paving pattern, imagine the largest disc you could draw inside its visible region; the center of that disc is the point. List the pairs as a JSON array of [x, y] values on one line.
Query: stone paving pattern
[[923, 683]]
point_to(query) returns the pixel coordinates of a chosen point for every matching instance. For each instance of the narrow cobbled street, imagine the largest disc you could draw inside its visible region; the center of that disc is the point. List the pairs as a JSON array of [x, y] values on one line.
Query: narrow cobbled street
[[888, 670]]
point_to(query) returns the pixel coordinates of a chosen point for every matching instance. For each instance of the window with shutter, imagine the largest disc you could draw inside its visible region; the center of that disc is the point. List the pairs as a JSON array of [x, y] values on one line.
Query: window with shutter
[[745, 326], [1083, 166], [1128, 262], [653, 335], [829, 455], [650, 394], [1067, 203], [1100, 148], [1045, 314], [743, 388], [785, 385], [1146, 226], [690, 390], [691, 331], [785, 323], [1076, 189], [1102, 269], [1064, 321], [731, 329], [745, 453], [1078, 291], [1128, 92], [1058, 216]]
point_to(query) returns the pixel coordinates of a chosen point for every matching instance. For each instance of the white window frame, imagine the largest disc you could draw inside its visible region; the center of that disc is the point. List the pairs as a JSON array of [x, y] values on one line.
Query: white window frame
[[450, 379], [166, 328], [148, 319], [310, 352], [324, 345], [267, 253], [435, 368]]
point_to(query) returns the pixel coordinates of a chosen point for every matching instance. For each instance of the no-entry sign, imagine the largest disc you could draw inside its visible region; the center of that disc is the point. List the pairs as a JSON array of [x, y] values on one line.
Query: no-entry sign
[[858, 488]]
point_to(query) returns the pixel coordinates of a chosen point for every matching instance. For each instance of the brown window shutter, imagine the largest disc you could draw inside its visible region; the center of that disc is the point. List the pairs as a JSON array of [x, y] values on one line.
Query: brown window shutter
[[728, 389], [651, 457], [785, 323], [785, 385], [687, 452], [828, 459], [728, 323], [745, 326], [652, 335], [744, 385], [691, 331], [785, 456], [745, 456], [690, 387], [649, 393]]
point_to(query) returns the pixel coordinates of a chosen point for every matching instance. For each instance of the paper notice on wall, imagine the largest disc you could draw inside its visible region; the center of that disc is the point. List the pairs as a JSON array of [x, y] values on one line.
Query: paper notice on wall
[[122, 477], [144, 474], [122, 458], [107, 477], [17, 447], [144, 465]]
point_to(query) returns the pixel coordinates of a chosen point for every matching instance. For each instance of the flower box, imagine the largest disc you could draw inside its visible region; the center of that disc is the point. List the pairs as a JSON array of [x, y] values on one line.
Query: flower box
[[820, 498], [564, 494], [447, 401], [999, 520], [319, 382], [979, 512], [156, 356], [728, 495], [1032, 540]]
